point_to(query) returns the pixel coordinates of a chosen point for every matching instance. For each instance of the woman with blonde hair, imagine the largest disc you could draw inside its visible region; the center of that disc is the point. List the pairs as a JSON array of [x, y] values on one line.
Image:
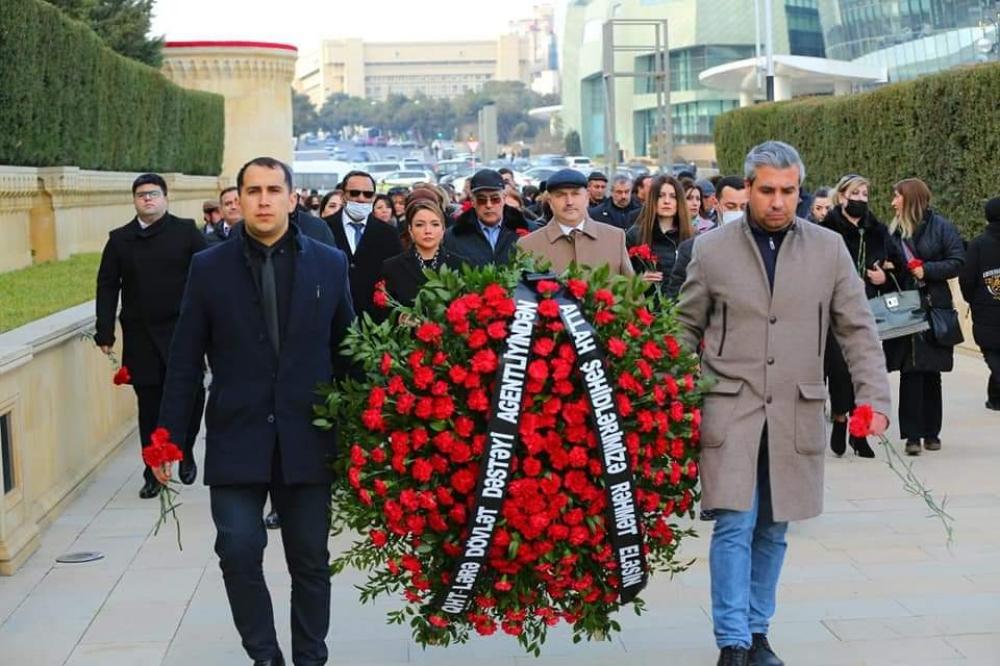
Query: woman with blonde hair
[[934, 253], [877, 262], [663, 224]]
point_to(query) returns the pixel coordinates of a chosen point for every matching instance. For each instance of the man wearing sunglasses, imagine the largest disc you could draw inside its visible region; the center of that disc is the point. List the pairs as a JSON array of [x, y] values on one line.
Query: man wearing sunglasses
[[487, 233], [146, 263], [366, 241]]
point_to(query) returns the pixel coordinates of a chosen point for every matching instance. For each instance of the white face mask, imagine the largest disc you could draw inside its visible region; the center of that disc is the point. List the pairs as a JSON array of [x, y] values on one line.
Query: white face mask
[[357, 210], [731, 216]]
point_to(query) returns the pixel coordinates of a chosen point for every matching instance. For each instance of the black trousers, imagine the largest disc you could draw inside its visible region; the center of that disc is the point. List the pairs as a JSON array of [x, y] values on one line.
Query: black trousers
[[838, 378], [992, 357], [920, 405], [239, 543], [149, 398]]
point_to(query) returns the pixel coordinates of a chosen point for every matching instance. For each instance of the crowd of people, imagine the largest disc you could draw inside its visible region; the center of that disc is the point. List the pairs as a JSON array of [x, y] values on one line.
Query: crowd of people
[[294, 268]]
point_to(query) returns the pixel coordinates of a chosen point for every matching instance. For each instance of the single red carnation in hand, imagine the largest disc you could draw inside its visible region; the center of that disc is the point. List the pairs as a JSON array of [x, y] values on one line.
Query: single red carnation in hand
[[381, 297], [914, 264], [123, 376], [861, 421], [161, 451]]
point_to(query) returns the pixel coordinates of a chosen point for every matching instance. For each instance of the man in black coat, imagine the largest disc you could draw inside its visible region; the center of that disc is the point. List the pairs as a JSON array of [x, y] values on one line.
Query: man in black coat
[[487, 233], [366, 241], [617, 209], [980, 283], [270, 342], [229, 203], [146, 261]]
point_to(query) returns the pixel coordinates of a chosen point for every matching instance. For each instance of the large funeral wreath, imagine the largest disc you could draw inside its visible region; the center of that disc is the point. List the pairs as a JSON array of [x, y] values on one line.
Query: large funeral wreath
[[517, 452]]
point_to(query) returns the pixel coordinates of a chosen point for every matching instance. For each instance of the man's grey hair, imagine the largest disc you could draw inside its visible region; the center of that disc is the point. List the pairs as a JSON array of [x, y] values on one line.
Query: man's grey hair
[[775, 154], [621, 179]]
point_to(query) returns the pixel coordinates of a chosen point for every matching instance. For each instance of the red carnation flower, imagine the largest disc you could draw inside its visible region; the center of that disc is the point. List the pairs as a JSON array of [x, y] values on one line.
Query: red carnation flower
[[378, 538], [604, 297], [548, 308], [538, 370], [429, 332], [577, 287], [381, 297], [914, 264], [123, 376], [861, 420], [463, 481], [545, 287]]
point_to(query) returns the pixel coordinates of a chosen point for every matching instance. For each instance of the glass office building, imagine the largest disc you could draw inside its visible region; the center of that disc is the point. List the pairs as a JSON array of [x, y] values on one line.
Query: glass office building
[[909, 37]]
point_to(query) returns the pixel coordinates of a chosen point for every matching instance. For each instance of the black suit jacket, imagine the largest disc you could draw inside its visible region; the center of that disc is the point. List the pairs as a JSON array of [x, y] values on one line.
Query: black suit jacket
[[149, 268], [404, 276], [378, 243], [259, 399]]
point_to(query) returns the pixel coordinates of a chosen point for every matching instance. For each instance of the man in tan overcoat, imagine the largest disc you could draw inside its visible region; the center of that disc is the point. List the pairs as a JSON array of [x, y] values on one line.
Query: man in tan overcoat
[[762, 293], [571, 235]]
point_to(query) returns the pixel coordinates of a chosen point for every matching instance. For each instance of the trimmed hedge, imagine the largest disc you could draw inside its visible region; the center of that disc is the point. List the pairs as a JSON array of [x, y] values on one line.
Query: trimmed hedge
[[67, 99], [943, 129]]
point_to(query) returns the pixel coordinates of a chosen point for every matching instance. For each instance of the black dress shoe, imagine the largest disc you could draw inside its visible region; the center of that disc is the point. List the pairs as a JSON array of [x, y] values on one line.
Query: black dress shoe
[[838, 438], [913, 447], [187, 471], [273, 661], [932, 443], [150, 489], [734, 656], [761, 653], [861, 447], [271, 520], [993, 404]]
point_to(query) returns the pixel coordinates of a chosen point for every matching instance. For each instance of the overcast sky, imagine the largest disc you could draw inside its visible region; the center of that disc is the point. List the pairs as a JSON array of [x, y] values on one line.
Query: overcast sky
[[305, 22]]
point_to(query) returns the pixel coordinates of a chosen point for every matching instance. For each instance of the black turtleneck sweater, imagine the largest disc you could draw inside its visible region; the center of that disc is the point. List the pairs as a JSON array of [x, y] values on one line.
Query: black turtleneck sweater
[[769, 243]]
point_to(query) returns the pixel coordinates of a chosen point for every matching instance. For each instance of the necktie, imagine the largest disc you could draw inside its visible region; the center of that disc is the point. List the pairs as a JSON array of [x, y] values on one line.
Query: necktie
[[359, 229], [269, 298]]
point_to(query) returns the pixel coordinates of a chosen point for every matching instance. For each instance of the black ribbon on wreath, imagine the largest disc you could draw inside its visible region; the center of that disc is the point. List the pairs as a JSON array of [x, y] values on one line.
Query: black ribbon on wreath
[[624, 529]]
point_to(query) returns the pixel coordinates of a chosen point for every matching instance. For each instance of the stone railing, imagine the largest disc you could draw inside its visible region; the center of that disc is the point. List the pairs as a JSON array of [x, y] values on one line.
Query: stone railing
[[52, 212], [62, 416]]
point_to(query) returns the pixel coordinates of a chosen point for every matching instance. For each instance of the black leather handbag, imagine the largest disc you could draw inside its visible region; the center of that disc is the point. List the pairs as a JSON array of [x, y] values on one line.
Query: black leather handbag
[[944, 327]]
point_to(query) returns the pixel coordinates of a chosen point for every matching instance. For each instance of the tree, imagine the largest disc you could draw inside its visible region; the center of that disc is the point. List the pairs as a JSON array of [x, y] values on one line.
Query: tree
[[573, 145], [304, 116], [122, 24]]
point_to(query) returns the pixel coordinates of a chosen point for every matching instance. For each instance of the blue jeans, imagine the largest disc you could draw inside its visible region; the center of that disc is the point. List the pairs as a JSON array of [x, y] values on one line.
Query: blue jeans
[[745, 558]]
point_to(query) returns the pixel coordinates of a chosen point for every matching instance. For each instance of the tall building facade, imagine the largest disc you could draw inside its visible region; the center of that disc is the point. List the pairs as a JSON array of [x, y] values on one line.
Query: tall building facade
[[540, 33], [375, 70], [908, 37], [701, 34]]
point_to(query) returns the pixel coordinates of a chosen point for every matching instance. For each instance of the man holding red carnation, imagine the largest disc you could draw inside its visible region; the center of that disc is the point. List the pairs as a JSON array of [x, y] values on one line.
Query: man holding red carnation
[[274, 337], [749, 298]]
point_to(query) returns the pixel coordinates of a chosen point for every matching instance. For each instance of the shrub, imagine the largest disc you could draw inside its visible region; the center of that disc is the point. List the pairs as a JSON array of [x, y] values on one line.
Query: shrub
[[940, 128], [67, 99]]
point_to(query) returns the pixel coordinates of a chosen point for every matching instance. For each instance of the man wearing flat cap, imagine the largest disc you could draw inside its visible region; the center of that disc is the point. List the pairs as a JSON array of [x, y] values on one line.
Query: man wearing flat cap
[[571, 235], [597, 186], [486, 233]]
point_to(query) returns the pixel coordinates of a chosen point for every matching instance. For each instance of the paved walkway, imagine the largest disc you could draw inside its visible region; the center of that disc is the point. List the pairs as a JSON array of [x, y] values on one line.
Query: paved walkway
[[870, 582]]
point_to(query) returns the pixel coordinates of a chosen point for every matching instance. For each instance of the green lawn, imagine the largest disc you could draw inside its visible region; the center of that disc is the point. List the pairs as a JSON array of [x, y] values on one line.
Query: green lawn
[[34, 292]]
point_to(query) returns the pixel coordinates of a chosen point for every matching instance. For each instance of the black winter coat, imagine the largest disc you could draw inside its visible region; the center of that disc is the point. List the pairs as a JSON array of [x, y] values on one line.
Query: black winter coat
[[980, 283], [609, 213], [149, 268], [664, 246], [938, 244], [467, 240], [404, 275], [868, 242], [378, 243]]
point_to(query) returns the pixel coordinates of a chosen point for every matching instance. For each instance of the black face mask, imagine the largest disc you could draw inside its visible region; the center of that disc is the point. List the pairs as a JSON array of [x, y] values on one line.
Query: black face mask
[[856, 209]]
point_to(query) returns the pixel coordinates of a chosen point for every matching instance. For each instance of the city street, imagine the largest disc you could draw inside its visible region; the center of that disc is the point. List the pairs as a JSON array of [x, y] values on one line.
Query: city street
[[870, 582]]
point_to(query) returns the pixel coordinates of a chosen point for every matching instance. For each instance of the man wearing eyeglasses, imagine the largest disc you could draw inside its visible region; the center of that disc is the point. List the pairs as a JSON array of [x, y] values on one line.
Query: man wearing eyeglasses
[[365, 240], [146, 262], [487, 233]]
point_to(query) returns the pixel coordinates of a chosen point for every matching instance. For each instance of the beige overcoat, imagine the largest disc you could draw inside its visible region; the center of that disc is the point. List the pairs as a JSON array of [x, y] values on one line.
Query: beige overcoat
[[598, 244], [766, 353]]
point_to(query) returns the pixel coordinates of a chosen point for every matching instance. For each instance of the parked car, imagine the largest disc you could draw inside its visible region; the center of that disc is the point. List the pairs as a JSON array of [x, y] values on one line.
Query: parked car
[[581, 163], [405, 178], [536, 175], [379, 170], [559, 161]]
